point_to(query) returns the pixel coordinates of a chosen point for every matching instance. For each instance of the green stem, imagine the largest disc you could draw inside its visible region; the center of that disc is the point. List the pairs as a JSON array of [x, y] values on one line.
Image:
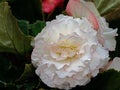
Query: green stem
[[43, 16]]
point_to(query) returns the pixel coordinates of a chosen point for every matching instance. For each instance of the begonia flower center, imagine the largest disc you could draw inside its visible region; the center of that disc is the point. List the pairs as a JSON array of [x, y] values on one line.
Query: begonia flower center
[[66, 48]]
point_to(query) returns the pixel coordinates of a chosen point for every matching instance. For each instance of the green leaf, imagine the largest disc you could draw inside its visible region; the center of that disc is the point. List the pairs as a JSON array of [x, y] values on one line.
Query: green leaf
[[109, 9], [2, 0], [28, 72], [37, 27], [109, 80], [24, 26], [28, 79], [11, 37], [41, 89], [7, 0], [31, 29], [11, 67]]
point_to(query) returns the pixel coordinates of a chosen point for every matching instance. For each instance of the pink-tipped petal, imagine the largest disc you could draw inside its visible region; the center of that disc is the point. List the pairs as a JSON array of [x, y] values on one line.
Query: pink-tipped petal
[[91, 17], [77, 8]]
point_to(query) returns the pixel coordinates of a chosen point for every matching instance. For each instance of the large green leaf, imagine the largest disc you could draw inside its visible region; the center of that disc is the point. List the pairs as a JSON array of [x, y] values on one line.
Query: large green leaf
[[11, 37], [108, 8]]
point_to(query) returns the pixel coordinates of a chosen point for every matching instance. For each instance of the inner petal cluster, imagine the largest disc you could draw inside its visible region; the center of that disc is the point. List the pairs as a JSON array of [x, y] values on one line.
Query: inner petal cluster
[[66, 48]]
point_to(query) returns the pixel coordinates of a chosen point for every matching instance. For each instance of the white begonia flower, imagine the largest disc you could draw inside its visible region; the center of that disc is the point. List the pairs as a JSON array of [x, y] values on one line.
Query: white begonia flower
[[68, 52]]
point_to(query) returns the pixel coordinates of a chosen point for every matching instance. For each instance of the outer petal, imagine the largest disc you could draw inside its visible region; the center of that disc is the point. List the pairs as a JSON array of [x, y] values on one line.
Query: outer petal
[[107, 35], [77, 8], [115, 64]]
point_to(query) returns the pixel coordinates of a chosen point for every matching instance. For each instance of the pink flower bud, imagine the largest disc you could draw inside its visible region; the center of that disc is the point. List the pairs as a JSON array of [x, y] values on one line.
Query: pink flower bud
[[49, 5]]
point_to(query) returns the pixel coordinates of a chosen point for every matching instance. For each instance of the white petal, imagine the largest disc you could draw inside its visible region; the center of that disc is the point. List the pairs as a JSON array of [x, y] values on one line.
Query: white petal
[[115, 64]]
